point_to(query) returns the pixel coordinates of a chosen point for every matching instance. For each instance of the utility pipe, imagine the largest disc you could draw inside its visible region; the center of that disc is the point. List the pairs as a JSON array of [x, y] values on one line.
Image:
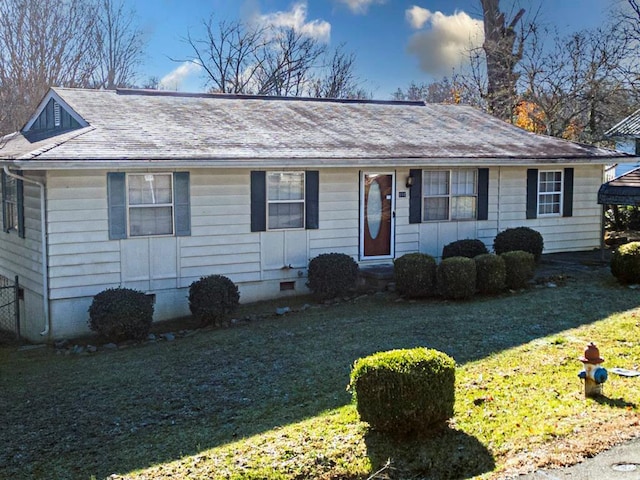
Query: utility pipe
[[43, 232]]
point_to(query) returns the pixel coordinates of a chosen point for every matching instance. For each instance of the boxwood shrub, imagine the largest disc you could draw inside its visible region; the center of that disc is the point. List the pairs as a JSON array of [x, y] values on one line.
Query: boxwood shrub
[[469, 248], [625, 263], [520, 268], [457, 278], [118, 314], [490, 273], [519, 238], [212, 298], [404, 391], [415, 275], [332, 274]]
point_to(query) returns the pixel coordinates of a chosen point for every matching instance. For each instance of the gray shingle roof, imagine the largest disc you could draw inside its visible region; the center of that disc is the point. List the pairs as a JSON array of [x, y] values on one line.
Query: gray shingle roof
[[142, 126], [624, 190]]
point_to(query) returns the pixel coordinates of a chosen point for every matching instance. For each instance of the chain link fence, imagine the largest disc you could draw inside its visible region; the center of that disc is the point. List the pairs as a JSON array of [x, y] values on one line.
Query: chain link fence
[[10, 307]]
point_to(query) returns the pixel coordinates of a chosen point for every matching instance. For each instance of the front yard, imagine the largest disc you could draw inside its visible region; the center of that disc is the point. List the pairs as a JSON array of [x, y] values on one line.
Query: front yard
[[268, 399]]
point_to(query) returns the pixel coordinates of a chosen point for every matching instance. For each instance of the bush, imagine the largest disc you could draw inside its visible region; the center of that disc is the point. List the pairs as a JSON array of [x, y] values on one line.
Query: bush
[[404, 391], [625, 263], [490, 273], [212, 298], [469, 248], [121, 314], [415, 275], [332, 274], [520, 238], [457, 277], [520, 268]]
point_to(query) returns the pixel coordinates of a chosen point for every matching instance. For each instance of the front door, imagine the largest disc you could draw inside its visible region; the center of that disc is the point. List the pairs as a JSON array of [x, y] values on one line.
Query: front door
[[377, 215]]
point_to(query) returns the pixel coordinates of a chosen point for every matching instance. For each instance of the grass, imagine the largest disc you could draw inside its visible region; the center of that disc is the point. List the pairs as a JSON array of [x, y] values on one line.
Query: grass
[[268, 399]]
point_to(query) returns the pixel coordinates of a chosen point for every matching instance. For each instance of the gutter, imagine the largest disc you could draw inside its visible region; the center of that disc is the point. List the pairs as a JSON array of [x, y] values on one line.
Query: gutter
[[43, 232]]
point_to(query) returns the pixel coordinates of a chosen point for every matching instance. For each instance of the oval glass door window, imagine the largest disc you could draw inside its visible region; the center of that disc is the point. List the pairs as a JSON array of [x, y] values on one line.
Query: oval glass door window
[[374, 210]]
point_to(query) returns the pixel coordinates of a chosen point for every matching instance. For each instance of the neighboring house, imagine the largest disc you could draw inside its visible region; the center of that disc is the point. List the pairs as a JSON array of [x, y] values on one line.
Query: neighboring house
[[152, 190], [627, 137]]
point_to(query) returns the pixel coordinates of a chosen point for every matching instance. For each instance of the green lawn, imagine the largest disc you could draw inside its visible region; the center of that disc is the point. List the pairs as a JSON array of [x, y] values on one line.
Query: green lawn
[[268, 399]]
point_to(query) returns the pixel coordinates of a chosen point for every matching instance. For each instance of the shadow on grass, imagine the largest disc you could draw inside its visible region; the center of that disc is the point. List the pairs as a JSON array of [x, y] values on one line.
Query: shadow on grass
[[615, 402], [73, 417], [445, 454]]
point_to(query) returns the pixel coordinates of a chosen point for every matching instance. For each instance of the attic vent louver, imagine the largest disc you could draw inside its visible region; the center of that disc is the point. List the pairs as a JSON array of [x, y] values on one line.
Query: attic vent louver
[[56, 114]]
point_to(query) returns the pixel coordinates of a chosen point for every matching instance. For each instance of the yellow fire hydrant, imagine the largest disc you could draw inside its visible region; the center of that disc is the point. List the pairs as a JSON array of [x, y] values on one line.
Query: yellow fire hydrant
[[594, 375]]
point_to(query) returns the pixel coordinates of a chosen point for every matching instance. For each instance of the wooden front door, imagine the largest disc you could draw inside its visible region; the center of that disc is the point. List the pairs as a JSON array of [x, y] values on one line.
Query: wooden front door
[[377, 216]]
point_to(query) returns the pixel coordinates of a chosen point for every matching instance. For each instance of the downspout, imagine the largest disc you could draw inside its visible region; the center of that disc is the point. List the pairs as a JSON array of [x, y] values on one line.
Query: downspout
[[43, 232]]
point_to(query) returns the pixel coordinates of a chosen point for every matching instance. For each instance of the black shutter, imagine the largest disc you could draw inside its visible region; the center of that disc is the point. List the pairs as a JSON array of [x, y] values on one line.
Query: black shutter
[[312, 194], [117, 199], [20, 206], [182, 204], [567, 203], [258, 201], [415, 196], [532, 193], [483, 194]]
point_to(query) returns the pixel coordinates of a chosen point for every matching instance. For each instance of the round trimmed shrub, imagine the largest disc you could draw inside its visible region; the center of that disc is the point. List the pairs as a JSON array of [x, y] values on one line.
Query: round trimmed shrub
[[457, 278], [469, 248], [404, 391], [121, 314], [520, 268], [332, 274], [625, 263], [415, 275], [212, 298], [490, 273], [519, 238]]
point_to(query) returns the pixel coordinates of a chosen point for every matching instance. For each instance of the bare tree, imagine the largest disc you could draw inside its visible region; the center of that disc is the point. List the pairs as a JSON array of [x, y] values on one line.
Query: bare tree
[[69, 43], [289, 62], [266, 60], [42, 43], [503, 50], [120, 45], [580, 85]]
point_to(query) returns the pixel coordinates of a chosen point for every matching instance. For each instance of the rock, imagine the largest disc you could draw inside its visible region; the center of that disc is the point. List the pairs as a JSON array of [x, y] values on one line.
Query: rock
[[169, 337], [77, 349], [60, 344], [151, 336], [304, 307], [110, 346], [282, 310], [92, 348], [551, 285]]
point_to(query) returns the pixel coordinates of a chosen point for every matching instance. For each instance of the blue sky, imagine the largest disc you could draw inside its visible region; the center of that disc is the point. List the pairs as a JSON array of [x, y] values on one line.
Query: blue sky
[[395, 41]]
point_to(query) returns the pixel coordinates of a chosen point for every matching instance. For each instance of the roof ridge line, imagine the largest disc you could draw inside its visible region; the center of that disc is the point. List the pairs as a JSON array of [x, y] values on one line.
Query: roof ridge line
[[243, 96]]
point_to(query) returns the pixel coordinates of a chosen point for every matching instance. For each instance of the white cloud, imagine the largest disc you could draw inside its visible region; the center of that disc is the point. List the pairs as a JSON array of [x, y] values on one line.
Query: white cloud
[[361, 6], [445, 43], [417, 16], [174, 79], [296, 18]]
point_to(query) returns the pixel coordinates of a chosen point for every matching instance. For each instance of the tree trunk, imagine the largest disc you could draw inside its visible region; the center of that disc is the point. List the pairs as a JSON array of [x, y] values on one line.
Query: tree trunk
[[499, 43]]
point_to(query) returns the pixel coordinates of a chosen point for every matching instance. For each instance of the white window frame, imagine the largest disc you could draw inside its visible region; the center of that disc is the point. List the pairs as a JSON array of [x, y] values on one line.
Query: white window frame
[[301, 201], [560, 192], [151, 205], [450, 196]]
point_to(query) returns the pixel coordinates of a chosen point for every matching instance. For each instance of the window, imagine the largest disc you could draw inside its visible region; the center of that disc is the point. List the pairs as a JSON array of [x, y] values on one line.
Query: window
[[285, 200], [549, 193], [12, 205], [450, 194], [148, 204]]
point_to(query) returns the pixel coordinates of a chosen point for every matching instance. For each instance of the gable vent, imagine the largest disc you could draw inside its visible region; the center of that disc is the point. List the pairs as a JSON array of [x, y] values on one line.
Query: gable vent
[[56, 114]]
